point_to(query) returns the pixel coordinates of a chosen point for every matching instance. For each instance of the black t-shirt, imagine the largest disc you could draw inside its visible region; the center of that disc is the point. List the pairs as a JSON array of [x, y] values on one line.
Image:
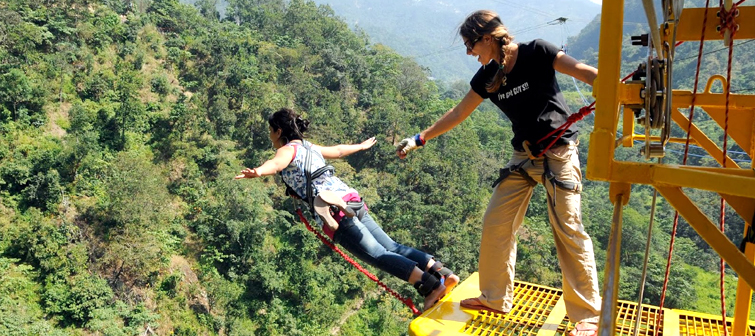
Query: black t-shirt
[[531, 98]]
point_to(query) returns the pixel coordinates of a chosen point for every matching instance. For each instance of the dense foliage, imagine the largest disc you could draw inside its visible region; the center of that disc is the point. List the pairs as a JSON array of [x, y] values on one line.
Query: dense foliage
[[123, 123]]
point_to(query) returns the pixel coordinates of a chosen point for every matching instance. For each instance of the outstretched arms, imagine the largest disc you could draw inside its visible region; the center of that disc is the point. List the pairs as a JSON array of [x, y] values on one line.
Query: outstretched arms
[[283, 157], [285, 154], [338, 151]]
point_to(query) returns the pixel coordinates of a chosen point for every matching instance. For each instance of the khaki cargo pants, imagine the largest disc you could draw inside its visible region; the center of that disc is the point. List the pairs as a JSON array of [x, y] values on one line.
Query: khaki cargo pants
[[503, 217]]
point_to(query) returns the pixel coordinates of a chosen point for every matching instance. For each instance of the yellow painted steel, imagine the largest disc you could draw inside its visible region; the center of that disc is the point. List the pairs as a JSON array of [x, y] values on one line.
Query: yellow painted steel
[[539, 311], [735, 184], [710, 233], [690, 25], [607, 88], [744, 292]]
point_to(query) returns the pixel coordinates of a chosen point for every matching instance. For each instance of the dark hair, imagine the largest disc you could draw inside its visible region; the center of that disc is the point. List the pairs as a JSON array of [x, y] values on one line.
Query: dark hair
[[292, 124], [484, 22]]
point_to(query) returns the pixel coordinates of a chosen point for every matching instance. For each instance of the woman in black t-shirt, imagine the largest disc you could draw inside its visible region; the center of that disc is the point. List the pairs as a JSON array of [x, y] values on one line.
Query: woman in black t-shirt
[[520, 78]]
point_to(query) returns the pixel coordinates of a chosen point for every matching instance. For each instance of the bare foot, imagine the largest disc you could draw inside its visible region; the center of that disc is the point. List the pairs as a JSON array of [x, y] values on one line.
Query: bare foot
[[584, 329], [434, 296], [476, 304], [450, 282]]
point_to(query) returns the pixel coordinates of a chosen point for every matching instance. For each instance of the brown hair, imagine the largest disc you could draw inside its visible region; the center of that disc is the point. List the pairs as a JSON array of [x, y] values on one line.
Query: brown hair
[[292, 125], [484, 22]]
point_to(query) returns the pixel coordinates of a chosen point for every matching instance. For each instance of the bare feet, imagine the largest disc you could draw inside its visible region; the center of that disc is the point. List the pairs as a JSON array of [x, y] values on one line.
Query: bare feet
[[476, 304], [434, 296], [584, 329], [450, 282]]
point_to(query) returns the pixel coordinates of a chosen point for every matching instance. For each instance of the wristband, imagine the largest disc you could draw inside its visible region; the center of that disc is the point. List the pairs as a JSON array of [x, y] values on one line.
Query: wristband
[[418, 140]]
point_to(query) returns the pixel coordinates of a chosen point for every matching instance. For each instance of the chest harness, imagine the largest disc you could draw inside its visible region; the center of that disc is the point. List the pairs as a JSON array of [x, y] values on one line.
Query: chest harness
[[357, 207]]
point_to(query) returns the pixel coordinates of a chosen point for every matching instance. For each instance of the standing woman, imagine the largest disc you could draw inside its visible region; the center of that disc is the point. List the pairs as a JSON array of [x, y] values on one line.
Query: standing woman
[[520, 78]]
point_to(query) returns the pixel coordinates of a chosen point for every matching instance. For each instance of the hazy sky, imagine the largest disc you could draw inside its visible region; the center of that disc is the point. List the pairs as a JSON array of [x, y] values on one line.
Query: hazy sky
[[597, 1]]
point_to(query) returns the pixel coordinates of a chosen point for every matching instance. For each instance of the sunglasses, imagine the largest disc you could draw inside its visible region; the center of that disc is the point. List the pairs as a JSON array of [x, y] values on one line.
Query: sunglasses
[[471, 43]]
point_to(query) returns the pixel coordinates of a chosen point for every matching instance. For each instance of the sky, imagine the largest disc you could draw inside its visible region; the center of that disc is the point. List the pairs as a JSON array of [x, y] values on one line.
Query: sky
[[599, 2]]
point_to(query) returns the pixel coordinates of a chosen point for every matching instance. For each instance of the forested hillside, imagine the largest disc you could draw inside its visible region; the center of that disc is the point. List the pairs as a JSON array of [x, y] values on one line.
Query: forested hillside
[[122, 125]]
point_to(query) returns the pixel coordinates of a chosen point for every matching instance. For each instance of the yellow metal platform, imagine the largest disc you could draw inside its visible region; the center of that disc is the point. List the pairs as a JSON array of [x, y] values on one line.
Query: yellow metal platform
[[539, 311]]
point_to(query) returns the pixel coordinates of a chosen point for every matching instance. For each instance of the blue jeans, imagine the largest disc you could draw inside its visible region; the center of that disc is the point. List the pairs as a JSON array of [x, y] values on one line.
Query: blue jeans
[[367, 241]]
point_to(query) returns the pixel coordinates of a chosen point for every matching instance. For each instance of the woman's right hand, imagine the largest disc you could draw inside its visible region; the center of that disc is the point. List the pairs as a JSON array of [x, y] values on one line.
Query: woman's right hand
[[247, 173], [407, 145], [366, 144]]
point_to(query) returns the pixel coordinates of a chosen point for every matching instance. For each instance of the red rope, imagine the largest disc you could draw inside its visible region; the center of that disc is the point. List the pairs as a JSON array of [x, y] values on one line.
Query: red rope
[[584, 111], [732, 26], [407, 301], [686, 149], [627, 77]]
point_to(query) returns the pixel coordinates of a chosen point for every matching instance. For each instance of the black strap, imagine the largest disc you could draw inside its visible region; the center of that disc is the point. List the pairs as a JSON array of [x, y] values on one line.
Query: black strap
[[440, 271], [503, 173], [310, 175], [566, 185], [427, 284], [749, 237]]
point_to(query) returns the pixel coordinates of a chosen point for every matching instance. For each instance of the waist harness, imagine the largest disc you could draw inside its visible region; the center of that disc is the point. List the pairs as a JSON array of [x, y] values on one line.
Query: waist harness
[[548, 175]]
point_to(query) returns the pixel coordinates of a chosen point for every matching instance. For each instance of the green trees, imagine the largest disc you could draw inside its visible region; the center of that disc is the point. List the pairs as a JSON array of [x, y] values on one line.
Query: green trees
[[121, 127]]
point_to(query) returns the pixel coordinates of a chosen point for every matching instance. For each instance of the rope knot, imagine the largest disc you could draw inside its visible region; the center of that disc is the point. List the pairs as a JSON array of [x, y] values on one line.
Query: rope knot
[[728, 19]]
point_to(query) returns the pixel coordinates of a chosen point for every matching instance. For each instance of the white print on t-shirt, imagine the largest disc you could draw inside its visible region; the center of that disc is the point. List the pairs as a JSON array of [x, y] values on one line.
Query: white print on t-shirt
[[514, 91]]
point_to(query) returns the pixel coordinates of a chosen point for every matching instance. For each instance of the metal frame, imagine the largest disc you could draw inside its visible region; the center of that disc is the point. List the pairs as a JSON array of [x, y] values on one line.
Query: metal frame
[[736, 185]]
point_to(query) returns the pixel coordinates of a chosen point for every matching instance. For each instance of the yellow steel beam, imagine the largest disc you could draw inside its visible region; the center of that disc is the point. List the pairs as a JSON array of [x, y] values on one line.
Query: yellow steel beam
[[710, 233], [671, 323], [744, 206], [606, 88], [744, 299], [737, 102], [702, 139], [739, 125], [608, 312], [552, 322], [690, 22], [631, 94], [736, 182], [642, 137]]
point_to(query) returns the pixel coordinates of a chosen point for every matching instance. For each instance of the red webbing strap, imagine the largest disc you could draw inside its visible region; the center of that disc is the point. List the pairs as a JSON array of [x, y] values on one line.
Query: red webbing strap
[[584, 111], [407, 301]]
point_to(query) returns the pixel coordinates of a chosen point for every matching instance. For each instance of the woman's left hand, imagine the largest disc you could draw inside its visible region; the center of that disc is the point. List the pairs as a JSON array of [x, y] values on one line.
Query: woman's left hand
[[248, 173], [368, 143]]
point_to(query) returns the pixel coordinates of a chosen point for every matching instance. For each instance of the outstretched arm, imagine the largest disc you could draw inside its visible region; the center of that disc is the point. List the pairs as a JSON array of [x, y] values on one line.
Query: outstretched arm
[[567, 65], [338, 151], [283, 157], [447, 122]]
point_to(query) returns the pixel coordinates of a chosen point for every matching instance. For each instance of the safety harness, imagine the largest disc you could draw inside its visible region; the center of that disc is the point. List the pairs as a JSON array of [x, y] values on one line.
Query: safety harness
[[357, 206], [547, 173], [430, 280]]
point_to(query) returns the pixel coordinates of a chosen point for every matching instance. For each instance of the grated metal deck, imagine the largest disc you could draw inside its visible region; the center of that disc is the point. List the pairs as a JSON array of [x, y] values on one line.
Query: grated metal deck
[[540, 311]]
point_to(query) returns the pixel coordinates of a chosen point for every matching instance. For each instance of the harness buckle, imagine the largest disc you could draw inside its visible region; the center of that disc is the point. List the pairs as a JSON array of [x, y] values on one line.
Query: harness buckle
[[526, 147]]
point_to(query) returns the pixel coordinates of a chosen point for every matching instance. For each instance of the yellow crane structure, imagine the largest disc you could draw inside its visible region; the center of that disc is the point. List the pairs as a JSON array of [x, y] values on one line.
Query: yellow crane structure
[[651, 102]]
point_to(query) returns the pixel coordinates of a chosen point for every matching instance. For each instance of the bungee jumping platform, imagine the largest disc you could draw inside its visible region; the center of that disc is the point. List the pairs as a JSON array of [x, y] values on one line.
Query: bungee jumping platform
[[540, 311]]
